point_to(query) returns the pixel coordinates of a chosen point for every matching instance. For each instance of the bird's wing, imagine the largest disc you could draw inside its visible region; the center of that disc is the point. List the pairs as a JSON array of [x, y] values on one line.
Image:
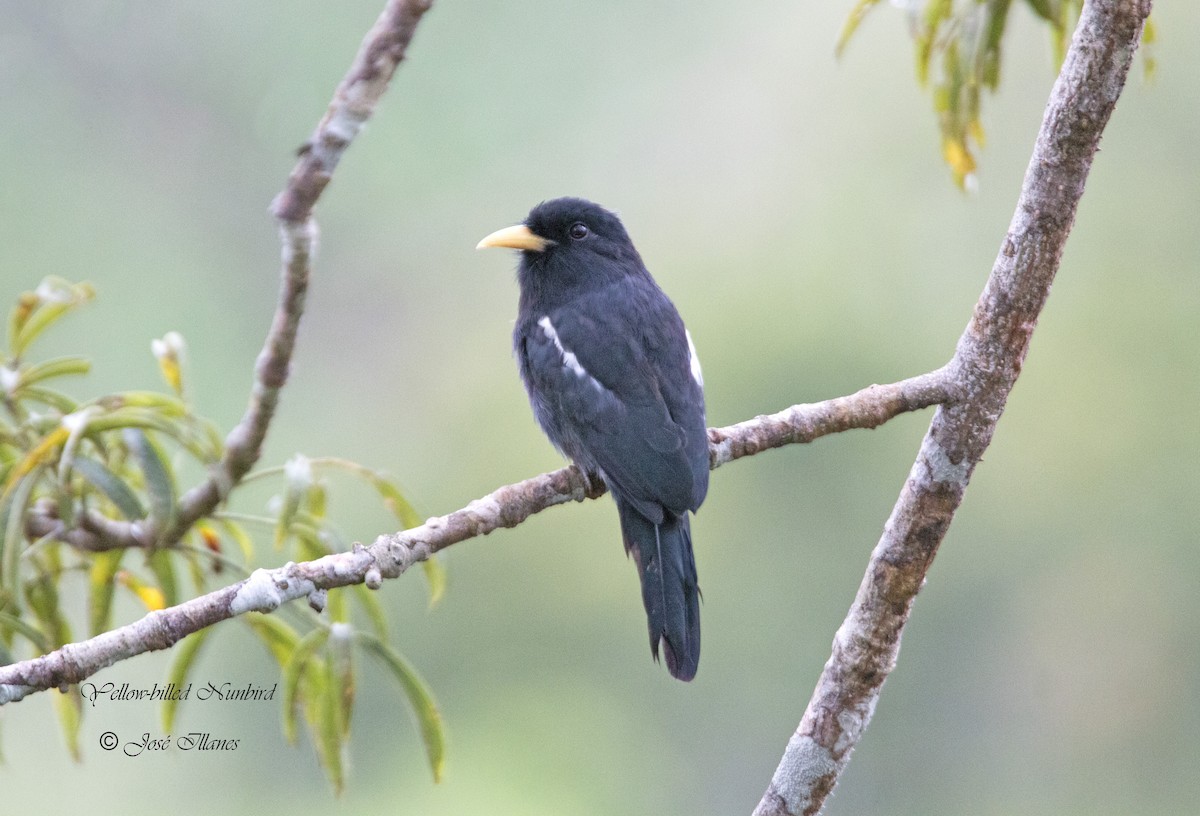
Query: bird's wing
[[612, 369]]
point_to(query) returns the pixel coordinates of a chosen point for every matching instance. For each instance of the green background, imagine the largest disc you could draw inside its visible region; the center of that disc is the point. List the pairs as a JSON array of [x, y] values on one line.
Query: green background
[[796, 209]]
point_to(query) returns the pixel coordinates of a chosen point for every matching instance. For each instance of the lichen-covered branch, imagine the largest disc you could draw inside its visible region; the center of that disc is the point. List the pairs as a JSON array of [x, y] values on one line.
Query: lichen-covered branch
[[391, 555], [360, 90], [984, 369]]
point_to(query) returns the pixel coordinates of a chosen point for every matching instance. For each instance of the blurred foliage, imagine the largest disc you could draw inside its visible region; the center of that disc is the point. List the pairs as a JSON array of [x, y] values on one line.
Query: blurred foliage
[[960, 42], [1050, 667], [118, 457]]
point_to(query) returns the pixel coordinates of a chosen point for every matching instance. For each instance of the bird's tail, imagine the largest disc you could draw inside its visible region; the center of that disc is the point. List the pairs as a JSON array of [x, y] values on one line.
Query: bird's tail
[[663, 553]]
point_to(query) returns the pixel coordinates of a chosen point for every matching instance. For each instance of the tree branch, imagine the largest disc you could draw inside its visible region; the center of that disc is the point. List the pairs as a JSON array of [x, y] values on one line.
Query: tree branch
[[985, 367], [353, 102], [392, 555]]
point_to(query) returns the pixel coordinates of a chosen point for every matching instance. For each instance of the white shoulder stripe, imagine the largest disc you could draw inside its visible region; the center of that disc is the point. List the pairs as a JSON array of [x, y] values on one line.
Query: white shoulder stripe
[[694, 361], [570, 361]]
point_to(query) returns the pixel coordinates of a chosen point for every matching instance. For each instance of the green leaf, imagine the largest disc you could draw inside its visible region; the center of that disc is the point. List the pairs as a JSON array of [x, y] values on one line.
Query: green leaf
[[856, 16], [393, 498], [316, 500], [308, 537], [165, 404], [160, 481], [62, 298], [926, 34], [1149, 37], [57, 367], [148, 419], [22, 309], [162, 564], [435, 576], [988, 62], [369, 600], [341, 658], [42, 595], [240, 537], [17, 625], [76, 425], [279, 638], [328, 729], [420, 700], [69, 707], [60, 402], [335, 605], [1048, 10], [43, 453], [288, 509], [12, 514], [395, 501], [111, 486], [295, 670], [185, 655], [101, 586]]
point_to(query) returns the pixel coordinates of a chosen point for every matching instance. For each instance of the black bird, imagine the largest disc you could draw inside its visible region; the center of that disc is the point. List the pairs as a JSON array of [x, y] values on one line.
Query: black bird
[[614, 381]]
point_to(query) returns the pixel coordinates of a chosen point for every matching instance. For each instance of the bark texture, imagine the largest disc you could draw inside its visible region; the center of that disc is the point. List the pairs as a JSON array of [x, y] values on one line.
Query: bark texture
[[984, 368], [391, 555]]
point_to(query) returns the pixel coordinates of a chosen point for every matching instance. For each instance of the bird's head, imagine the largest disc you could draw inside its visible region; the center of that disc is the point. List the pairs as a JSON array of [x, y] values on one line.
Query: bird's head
[[567, 243]]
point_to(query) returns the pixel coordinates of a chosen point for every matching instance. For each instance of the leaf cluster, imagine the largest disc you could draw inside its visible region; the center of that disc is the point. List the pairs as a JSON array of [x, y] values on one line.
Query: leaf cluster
[[92, 488], [958, 49]]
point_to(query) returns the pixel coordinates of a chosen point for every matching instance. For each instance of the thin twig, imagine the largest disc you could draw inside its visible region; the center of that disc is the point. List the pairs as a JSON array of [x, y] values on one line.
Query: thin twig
[[985, 367], [353, 102], [392, 555]]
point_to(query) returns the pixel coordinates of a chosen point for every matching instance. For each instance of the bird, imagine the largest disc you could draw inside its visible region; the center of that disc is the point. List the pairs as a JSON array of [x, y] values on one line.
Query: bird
[[614, 381]]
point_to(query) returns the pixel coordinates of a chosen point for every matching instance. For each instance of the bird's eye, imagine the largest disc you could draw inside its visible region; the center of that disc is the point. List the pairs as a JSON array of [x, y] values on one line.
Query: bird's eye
[[578, 231]]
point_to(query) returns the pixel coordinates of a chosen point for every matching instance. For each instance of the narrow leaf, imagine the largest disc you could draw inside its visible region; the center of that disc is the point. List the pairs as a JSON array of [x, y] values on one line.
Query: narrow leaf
[[369, 600], [856, 16], [165, 404], [19, 626], [341, 661], [294, 671], [185, 655], [101, 586], [59, 401], [114, 489], [395, 501], [69, 707], [22, 309], [1046, 9], [12, 513], [42, 594], [240, 537], [279, 638], [44, 452], [39, 309], [160, 481], [420, 700], [162, 564], [151, 596], [328, 730], [435, 576], [289, 506], [39, 320], [57, 367]]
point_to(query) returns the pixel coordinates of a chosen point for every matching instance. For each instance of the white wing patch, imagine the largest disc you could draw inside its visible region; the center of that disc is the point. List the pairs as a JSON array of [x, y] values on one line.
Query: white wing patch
[[570, 361], [694, 361]]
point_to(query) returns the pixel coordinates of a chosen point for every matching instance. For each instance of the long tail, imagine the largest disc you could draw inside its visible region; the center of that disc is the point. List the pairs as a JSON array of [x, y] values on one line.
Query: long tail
[[663, 553]]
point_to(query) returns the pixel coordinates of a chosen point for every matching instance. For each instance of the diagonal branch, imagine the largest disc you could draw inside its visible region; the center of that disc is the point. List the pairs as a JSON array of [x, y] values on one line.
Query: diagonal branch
[[985, 366], [353, 102], [391, 555]]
